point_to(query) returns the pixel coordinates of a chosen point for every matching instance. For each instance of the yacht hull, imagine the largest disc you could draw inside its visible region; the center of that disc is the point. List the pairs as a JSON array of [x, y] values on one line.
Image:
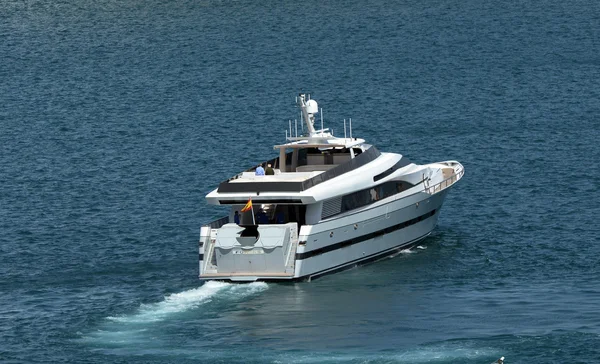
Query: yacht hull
[[349, 240], [367, 236]]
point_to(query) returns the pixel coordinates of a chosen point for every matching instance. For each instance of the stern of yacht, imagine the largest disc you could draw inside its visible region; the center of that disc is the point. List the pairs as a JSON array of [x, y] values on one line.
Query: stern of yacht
[[236, 253]]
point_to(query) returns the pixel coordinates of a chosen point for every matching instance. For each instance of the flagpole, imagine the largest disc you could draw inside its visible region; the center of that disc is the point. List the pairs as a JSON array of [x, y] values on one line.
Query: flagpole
[[252, 211], [249, 207]]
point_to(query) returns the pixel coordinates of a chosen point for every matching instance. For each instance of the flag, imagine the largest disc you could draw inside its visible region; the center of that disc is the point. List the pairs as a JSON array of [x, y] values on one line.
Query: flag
[[247, 215], [248, 206]]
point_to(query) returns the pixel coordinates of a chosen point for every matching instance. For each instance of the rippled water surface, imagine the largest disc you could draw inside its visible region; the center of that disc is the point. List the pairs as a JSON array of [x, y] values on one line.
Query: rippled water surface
[[119, 116]]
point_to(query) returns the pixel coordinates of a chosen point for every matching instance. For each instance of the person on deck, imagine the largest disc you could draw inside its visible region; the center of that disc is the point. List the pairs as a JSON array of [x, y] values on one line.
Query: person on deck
[[260, 171], [269, 171], [262, 217]]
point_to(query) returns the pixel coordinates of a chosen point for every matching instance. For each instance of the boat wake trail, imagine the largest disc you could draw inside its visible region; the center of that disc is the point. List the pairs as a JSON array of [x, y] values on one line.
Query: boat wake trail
[[188, 300], [422, 355], [131, 328]]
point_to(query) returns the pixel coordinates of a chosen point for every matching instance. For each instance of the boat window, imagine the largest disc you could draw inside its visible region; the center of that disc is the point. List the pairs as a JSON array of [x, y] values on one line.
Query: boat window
[[367, 196], [304, 153], [279, 214], [366, 157]]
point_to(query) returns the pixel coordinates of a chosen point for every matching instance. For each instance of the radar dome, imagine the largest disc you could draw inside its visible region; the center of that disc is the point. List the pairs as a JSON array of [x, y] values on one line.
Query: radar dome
[[312, 107]]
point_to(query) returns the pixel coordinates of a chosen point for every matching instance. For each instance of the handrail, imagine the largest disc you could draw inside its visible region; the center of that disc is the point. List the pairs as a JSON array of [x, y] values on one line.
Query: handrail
[[447, 182], [218, 222]]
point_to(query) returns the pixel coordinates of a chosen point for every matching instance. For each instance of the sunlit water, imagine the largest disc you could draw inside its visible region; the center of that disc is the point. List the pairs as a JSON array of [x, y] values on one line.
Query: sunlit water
[[119, 116]]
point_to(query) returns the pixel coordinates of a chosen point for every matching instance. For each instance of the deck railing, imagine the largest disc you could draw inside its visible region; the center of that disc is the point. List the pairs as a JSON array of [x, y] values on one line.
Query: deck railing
[[445, 183], [218, 223]]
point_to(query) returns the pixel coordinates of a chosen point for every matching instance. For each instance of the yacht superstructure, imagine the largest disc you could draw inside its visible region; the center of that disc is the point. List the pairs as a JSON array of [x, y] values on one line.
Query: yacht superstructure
[[326, 204]]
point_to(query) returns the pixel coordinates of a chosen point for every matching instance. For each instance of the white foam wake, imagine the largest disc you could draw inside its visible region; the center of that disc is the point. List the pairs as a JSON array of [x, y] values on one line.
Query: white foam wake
[[413, 249], [411, 356], [187, 300]]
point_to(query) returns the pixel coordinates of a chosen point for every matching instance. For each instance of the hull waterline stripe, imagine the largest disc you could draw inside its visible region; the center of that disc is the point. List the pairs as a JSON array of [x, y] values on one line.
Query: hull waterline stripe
[[365, 260], [338, 268], [261, 201], [360, 239]]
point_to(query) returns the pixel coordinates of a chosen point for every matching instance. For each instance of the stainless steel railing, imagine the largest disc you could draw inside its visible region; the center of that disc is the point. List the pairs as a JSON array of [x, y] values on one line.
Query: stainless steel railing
[[458, 173], [218, 223]]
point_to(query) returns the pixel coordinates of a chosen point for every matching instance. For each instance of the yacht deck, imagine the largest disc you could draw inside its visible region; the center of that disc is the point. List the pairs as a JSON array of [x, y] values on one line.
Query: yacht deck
[[247, 177]]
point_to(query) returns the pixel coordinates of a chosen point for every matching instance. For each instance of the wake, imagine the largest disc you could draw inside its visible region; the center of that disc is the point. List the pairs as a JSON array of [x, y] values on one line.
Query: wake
[[411, 250], [136, 328], [189, 300]]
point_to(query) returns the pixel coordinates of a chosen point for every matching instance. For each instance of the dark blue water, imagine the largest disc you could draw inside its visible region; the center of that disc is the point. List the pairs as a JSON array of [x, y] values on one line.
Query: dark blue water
[[117, 117]]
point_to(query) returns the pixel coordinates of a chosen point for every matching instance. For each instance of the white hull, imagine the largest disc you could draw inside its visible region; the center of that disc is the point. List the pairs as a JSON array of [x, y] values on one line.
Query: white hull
[[380, 231], [346, 241]]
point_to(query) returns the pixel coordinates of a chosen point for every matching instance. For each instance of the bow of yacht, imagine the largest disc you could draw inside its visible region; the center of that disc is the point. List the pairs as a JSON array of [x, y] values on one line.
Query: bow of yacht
[[324, 205]]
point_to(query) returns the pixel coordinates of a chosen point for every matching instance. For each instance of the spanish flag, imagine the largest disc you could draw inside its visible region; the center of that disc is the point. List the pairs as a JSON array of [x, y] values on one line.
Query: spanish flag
[[248, 206]]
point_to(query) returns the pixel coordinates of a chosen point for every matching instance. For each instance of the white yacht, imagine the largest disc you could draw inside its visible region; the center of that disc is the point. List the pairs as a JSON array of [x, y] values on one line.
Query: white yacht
[[325, 204]]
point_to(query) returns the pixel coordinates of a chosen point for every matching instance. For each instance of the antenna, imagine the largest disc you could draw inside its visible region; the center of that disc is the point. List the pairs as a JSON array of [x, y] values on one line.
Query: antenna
[[290, 127], [296, 127], [321, 121], [308, 110], [344, 128], [350, 128]]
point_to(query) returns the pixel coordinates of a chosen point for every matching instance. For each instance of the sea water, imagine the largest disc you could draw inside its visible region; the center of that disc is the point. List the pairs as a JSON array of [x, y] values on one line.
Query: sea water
[[117, 117]]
